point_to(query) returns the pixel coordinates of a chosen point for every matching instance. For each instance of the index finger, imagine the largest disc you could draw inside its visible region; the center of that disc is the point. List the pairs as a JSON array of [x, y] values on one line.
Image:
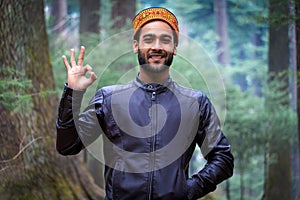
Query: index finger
[[81, 56], [66, 63]]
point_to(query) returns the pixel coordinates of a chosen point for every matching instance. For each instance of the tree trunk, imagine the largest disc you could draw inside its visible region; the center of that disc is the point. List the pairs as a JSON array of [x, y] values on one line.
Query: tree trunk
[[293, 88], [278, 180], [222, 32], [227, 189], [58, 21], [122, 12], [30, 167], [297, 29], [89, 28], [242, 187], [59, 13]]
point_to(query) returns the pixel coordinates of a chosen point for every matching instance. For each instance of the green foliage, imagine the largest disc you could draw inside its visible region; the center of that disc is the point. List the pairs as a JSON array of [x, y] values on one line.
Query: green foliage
[[251, 124], [196, 21], [117, 71], [14, 90], [280, 118], [199, 21], [29, 187], [105, 19], [244, 129]]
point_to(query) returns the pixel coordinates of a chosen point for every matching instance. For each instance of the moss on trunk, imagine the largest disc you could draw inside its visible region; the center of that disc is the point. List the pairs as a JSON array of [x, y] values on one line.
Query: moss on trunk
[[30, 167]]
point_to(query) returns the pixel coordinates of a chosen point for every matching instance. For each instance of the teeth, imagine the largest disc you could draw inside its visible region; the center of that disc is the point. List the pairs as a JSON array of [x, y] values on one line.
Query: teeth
[[155, 56]]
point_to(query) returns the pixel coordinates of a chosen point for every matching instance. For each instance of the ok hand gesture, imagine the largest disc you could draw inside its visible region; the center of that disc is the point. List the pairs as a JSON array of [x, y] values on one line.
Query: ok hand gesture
[[76, 72]]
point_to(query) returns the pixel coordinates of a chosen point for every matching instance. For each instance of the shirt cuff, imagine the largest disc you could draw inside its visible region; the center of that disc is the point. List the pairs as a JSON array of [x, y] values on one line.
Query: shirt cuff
[[68, 91]]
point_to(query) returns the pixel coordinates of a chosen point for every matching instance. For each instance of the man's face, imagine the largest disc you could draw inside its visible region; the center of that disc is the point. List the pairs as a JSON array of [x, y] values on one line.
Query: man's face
[[156, 47]]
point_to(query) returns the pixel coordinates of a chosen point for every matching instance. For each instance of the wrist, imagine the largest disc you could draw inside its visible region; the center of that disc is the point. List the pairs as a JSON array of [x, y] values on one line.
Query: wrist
[[74, 88]]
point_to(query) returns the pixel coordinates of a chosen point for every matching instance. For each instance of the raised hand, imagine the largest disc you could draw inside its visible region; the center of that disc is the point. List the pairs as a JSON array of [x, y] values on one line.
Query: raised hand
[[77, 73]]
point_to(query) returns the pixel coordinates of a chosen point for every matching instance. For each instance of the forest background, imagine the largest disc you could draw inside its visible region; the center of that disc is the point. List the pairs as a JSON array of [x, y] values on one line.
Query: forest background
[[244, 54]]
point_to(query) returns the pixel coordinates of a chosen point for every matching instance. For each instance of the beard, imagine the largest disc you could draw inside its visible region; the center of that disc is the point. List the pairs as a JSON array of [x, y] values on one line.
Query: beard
[[148, 67]]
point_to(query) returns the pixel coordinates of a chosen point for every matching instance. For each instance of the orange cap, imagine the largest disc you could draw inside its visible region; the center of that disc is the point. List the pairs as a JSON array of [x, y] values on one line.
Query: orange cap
[[155, 13]]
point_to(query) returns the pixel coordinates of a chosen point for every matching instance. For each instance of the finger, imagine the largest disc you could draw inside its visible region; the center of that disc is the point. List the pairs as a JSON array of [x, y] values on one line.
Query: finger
[[67, 66], [88, 68], [93, 76], [81, 56], [72, 58], [91, 73]]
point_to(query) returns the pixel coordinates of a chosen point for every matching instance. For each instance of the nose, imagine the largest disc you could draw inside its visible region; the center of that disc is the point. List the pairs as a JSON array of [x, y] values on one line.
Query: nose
[[156, 45]]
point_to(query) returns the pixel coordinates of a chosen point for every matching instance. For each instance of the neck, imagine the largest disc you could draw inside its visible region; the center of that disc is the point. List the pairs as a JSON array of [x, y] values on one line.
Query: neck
[[150, 77]]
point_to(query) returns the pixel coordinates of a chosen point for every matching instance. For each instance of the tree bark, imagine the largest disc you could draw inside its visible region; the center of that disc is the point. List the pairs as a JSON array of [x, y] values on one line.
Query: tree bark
[[30, 167], [293, 63], [297, 30], [278, 180], [122, 12], [222, 32]]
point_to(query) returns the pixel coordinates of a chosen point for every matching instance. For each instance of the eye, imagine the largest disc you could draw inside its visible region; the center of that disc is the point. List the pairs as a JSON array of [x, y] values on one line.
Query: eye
[[166, 40], [148, 39]]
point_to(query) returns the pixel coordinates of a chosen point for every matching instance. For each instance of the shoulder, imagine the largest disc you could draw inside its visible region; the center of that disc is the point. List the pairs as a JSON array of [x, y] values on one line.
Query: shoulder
[[187, 92], [108, 91]]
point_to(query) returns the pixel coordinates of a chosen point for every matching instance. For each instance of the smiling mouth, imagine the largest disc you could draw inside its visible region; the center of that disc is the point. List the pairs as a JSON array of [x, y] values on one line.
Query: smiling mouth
[[156, 59], [156, 56]]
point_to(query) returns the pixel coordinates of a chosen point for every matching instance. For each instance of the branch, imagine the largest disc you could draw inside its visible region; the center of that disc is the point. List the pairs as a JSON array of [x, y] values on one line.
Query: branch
[[21, 151]]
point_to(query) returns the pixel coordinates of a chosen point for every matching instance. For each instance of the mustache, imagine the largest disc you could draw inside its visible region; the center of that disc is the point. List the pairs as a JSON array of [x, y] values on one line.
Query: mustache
[[157, 53]]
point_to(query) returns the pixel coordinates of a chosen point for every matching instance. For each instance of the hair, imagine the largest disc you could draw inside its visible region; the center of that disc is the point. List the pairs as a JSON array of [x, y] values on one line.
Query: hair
[[138, 33]]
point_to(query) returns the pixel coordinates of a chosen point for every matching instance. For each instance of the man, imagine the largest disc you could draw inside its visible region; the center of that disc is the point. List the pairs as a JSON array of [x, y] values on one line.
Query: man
[[151, 125]]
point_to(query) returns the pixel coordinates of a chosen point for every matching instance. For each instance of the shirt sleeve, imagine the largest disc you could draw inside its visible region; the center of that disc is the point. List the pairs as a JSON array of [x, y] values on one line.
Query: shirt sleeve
[[215, 149], [75, 130]]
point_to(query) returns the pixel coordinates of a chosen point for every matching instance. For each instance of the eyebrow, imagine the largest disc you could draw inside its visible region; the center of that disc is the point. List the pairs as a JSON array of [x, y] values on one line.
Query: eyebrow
[[166, 36], [161, 36]]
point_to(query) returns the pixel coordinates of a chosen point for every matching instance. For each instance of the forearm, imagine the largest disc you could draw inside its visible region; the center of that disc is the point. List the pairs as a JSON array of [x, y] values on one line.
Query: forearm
[[67, 140], [219, 167]]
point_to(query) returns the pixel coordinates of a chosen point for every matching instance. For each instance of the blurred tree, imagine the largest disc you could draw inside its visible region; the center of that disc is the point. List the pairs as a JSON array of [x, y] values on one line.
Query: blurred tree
[[297, 29], [154, 3], [246, 29], [89, 28], [244, 128], [196, 19], [122, 13], [62, 22], [30, 168], [221, 30], [278, 177], [293, 87], [59, 13]]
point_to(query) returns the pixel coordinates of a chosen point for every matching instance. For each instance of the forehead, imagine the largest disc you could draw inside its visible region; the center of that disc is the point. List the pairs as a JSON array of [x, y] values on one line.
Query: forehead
[[157, 28]]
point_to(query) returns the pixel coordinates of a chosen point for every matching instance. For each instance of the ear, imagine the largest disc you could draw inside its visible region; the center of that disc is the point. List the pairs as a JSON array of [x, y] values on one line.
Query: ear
[[135, 46], [175, 50]]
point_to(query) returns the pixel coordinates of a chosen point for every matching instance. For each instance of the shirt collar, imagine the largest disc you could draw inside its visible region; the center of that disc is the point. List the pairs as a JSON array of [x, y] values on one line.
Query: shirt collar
[[153, 86]]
